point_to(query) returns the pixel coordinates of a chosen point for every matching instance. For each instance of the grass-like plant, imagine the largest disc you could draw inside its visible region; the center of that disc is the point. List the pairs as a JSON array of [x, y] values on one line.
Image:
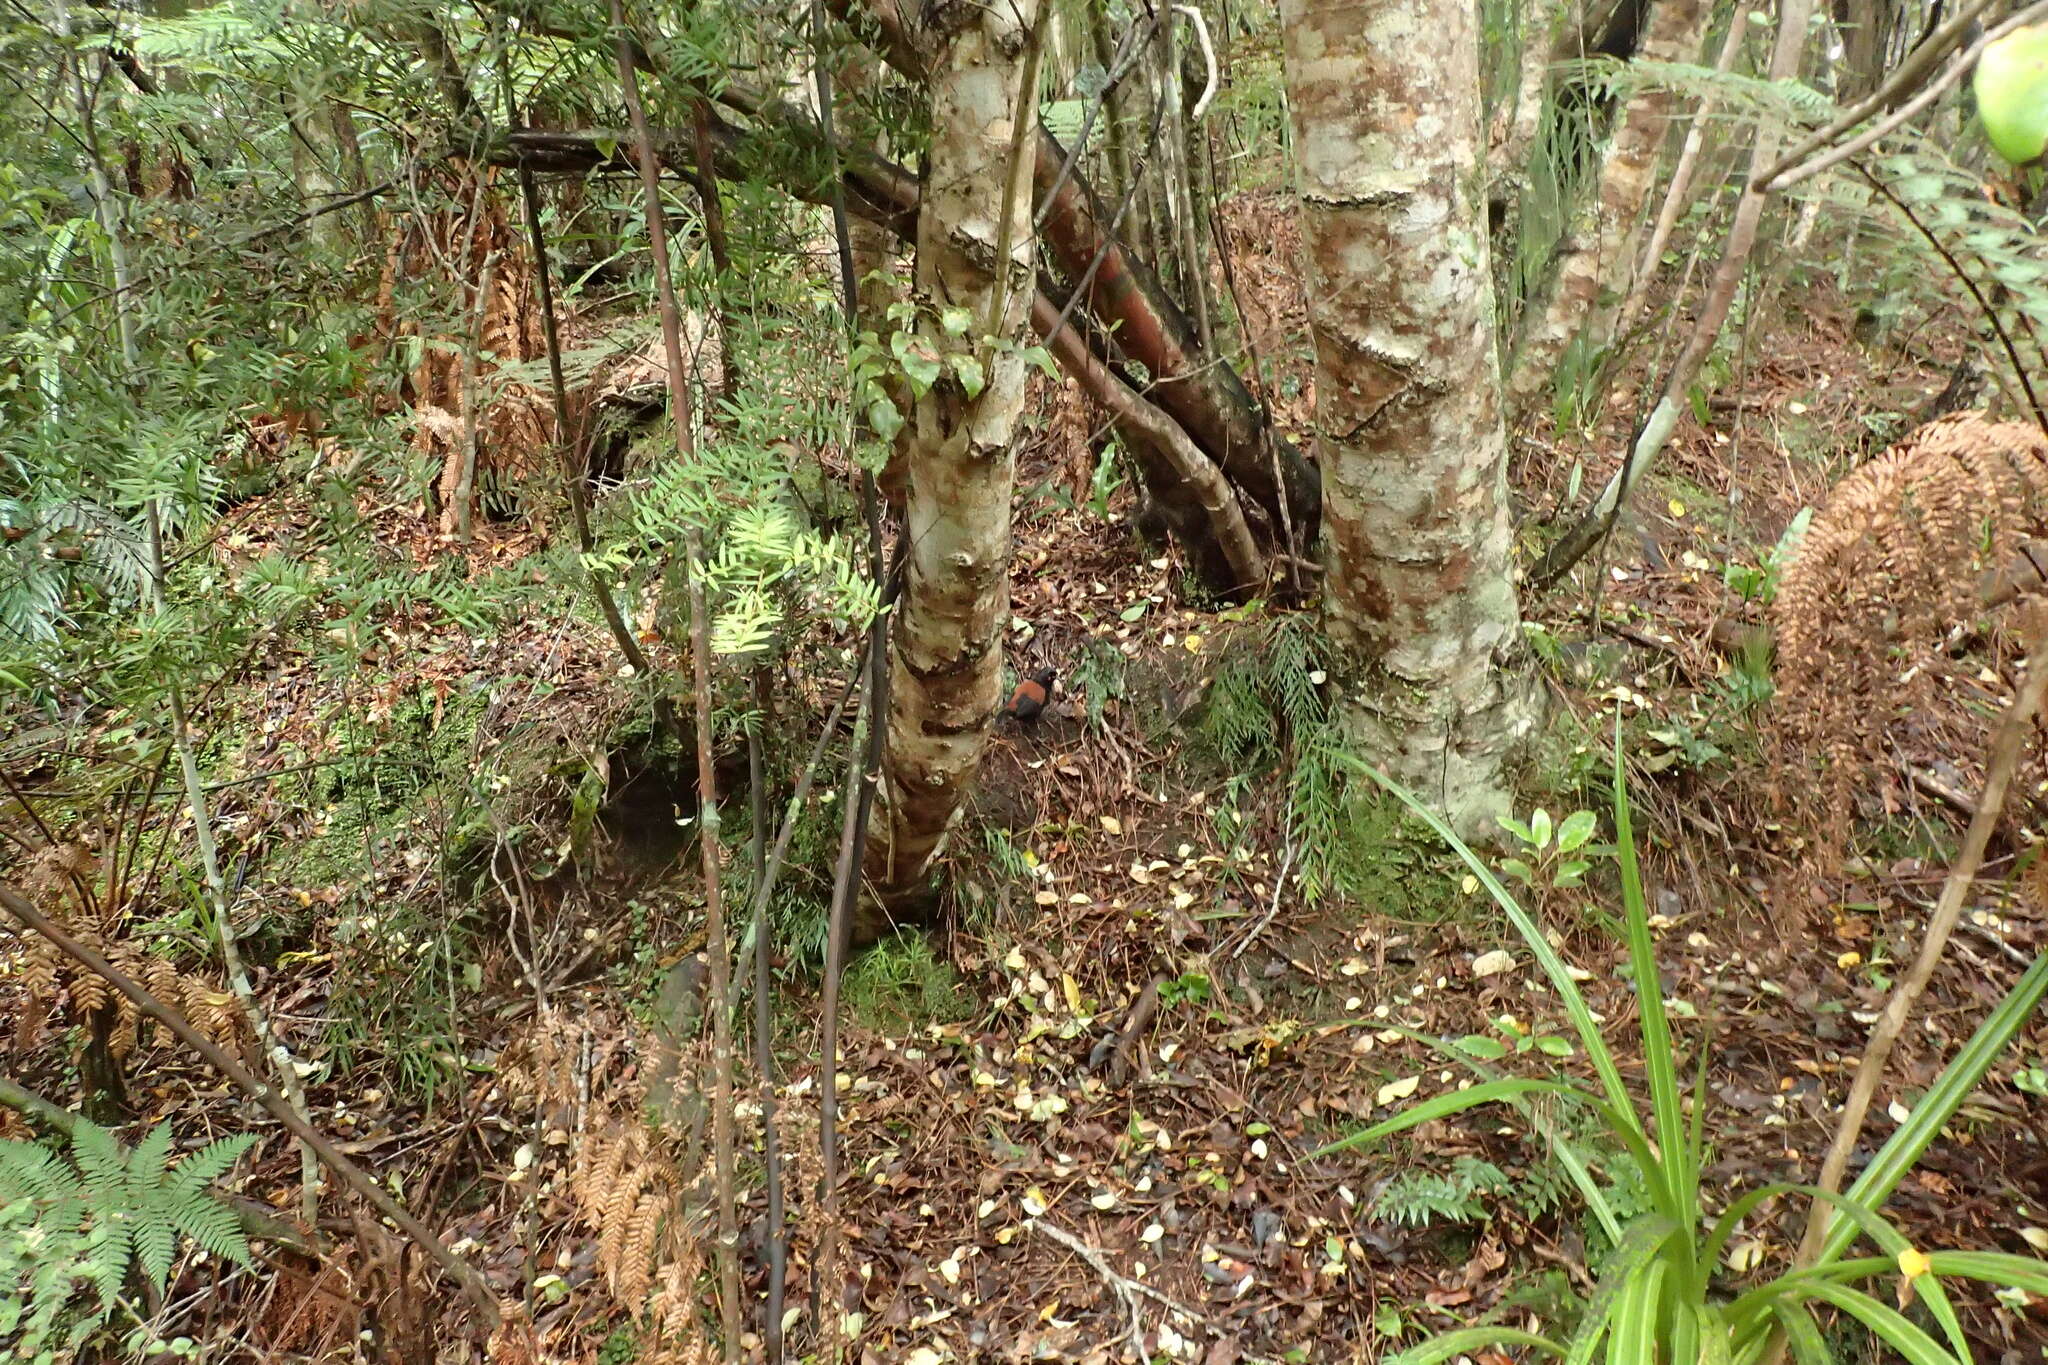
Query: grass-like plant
[[1658, 1299]]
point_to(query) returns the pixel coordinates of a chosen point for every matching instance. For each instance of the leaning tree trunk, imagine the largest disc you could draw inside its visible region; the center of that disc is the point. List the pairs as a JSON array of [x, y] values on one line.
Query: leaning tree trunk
[[975, 283], [1419, 601], [1596, 261]]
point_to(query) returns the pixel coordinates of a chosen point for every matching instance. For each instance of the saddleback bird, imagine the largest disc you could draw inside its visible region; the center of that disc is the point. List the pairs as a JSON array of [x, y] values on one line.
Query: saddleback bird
[[1033, 690]]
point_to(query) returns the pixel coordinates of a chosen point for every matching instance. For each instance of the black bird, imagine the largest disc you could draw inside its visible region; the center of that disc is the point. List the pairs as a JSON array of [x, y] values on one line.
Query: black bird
[[1033, 690]]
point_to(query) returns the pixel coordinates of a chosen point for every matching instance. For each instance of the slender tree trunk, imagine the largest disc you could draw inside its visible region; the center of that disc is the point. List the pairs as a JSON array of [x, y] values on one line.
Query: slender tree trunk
[[975, 254], [1115, 116], [1679, 192], [719, 1006], [1597, 256], [1514, 131], [1650, 439], [314, 159], [1385, 101]]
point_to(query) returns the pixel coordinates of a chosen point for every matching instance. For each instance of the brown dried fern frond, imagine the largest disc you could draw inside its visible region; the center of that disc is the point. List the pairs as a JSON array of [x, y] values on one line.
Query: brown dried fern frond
[[47, 972], [1907, 548]]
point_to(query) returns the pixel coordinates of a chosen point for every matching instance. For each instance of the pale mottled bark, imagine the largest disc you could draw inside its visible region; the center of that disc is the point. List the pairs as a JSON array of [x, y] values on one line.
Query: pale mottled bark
[[975, 254], [1385, 97], [1514, 130], [1597, 258]]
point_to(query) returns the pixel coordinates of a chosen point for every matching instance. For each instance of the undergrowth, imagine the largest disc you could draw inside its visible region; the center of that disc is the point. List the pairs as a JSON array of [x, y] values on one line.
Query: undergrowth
[[900, 985], [1267, 710]]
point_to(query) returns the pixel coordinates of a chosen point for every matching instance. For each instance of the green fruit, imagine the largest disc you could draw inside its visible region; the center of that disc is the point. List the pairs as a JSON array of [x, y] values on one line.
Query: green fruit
[[2011, 81]]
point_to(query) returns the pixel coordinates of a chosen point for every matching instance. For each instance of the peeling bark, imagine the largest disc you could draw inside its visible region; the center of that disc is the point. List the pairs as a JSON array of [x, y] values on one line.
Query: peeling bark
[[975, 254], [1418, 595], [1596, 264]]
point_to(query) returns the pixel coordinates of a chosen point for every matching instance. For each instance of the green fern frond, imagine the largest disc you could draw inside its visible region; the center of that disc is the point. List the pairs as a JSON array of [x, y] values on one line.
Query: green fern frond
[[28, 1171], [209, 1163], [100, 1162], [1741, 95], [93, 1220]]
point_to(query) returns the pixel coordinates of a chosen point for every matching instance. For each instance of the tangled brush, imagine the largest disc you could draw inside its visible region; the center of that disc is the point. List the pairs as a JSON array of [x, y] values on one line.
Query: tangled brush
[[1908, 548]]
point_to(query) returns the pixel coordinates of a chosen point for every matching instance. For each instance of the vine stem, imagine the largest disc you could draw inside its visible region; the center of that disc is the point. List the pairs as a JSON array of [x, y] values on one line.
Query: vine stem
[[716, 947]]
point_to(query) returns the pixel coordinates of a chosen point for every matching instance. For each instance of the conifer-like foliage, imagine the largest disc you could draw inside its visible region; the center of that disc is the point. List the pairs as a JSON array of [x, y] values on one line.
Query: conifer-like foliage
[[74, 1229]]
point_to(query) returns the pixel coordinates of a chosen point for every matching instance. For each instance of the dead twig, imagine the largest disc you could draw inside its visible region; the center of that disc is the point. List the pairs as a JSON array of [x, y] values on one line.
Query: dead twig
[[1125, 1288]]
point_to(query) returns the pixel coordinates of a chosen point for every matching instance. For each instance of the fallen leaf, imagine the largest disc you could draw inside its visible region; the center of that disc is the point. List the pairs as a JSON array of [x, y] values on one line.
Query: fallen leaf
[[1399, 1089], [1493, 963]]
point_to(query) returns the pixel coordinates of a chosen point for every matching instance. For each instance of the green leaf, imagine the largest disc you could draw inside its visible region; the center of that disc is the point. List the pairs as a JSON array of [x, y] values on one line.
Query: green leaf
[[1456, 1102], [1634, 1255], [1470, 1339], [1042, 358], [955, 321], [1886, 1323], [1484, 1048], [1135, 610], [1560, 977], [1955, 1084], [884, 420], [1809, 1347], [1578, 827], [919, 363], [1540, 829], [1660, 1060], [968, 370]]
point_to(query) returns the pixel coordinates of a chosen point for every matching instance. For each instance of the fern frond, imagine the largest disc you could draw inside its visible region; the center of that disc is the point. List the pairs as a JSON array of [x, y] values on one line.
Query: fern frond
[[30, 1171], [209, 1163], [100, 1160], [146, 1160]]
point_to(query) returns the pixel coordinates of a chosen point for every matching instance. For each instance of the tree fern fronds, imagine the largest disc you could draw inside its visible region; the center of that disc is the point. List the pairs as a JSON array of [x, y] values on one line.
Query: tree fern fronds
[[1906, 547]]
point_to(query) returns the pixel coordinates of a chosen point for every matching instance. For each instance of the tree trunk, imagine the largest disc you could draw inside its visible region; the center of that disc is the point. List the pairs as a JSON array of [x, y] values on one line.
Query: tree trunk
[[1598, 255], [1419, 602], [1649, 439], [974, 264], [314, 157], [1514, 131]]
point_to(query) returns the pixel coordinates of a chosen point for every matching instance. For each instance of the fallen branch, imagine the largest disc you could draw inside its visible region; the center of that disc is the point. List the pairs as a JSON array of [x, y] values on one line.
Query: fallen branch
[[1226, 529]]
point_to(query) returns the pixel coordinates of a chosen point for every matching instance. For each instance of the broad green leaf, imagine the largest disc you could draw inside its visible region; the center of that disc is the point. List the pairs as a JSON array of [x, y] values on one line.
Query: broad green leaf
[[1442, 1106], [1886, 1323], [1576, 829]]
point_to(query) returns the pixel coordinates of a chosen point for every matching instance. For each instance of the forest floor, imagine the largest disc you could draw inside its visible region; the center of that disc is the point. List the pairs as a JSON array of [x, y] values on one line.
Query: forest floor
[[1079, 1119]]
